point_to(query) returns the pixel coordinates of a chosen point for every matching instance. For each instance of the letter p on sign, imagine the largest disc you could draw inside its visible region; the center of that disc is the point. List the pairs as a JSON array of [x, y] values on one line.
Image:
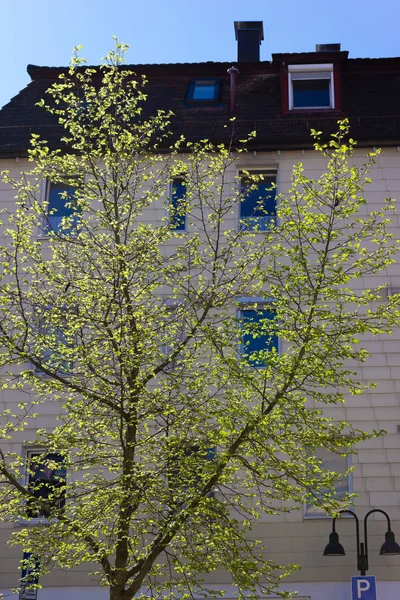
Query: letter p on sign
[[363, 588]]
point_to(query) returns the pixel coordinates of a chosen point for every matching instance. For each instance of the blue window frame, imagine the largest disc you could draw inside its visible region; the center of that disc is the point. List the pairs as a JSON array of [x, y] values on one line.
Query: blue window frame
[[61, 205], [178, 205], [258, 202], [259, 335], [203, 91]]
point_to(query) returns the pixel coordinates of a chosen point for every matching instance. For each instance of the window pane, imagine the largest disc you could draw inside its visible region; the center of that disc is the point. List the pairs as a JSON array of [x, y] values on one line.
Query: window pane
[[201, 453], [331, 462], [309, 93], [258, 207], [47, 475], [178, 216], [51, 342], [185, 470], [29, 575], [255, 337], [60, 207], [58, 203], [203, 90]]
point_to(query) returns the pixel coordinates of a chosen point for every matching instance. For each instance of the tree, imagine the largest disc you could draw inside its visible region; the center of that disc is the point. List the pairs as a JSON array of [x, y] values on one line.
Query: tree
[[181, 421]]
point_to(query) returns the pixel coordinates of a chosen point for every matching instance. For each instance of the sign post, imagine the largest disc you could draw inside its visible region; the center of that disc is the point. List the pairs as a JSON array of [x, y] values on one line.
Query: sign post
[[363, 587]]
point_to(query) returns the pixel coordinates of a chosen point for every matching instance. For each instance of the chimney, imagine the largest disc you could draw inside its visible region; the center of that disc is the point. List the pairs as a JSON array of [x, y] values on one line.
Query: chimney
[[327, 48], [249, 35]]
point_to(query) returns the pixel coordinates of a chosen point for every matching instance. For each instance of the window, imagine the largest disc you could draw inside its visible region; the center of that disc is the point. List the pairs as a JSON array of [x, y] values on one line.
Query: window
[[203, 91], [178, 205], [173, 331], [339, 464], [29, 575], [46, 479], [259, 336], [258, 201], [311, 86], [50, 344], [185, 469], [62, 211]]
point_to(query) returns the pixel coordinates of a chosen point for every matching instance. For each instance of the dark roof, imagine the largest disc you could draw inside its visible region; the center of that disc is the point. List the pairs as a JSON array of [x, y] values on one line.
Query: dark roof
[[370, 99]]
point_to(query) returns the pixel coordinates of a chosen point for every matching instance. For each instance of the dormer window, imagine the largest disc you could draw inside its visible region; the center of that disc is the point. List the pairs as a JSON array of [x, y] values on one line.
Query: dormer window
[[203, 91], [311, 87]]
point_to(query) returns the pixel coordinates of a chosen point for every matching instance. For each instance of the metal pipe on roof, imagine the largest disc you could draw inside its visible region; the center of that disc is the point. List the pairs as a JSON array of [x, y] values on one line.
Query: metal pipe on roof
[[232, 71]]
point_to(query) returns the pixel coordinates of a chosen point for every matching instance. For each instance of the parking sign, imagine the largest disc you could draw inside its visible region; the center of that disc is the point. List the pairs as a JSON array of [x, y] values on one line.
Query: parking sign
[[363, 588]]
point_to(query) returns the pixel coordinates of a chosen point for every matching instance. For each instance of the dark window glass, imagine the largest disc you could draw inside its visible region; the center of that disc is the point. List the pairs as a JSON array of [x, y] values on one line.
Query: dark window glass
[[29, 574], [200, 453], [310, 93], [257, 336], [258, 207], [46, 480], [61, 204], [178, 208]]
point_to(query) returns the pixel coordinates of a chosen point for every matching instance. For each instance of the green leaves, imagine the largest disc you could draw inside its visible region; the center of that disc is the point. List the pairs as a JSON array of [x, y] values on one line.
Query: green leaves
[[150, 334]]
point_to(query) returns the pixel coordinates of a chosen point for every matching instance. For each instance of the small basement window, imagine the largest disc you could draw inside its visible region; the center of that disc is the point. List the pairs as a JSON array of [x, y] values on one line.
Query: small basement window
[[203, 91], [311, 87]]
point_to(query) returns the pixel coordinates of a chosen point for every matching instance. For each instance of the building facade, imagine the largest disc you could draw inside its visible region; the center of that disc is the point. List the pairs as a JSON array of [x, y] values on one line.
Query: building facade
[[282, 100]]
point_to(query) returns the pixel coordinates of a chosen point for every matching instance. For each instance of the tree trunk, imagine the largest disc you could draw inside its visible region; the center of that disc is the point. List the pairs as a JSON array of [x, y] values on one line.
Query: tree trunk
[[117, 593]]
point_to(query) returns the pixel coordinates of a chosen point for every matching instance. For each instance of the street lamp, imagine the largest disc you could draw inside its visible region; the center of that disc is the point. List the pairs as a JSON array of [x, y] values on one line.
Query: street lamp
[[334, 548]]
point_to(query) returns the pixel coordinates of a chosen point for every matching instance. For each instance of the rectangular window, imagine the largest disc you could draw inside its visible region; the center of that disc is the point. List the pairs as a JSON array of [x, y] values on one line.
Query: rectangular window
[[29, 576], [50, 345], [259, 335], [173, 332], [203, 91], [339, 464], [258, 201], [45, 478], [62, 211], [311, 87], [185, 468], [178, 205]]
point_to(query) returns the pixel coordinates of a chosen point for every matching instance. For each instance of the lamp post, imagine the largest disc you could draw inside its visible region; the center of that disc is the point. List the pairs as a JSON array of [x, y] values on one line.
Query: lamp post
[[334, 548]]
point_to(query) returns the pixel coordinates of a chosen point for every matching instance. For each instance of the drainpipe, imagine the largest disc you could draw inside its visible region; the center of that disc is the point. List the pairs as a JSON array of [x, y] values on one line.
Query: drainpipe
[[233, 71]]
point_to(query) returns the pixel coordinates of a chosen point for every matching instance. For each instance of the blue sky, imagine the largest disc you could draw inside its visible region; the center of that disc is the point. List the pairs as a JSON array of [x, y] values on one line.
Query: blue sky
[[43, 32]]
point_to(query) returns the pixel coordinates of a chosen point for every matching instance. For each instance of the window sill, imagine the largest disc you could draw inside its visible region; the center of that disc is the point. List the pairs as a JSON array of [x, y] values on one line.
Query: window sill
[[336, 112], [178, 231], [324, 516], [258, 224], [215, 108], [35, 522], [43, 375], [51, 235]]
